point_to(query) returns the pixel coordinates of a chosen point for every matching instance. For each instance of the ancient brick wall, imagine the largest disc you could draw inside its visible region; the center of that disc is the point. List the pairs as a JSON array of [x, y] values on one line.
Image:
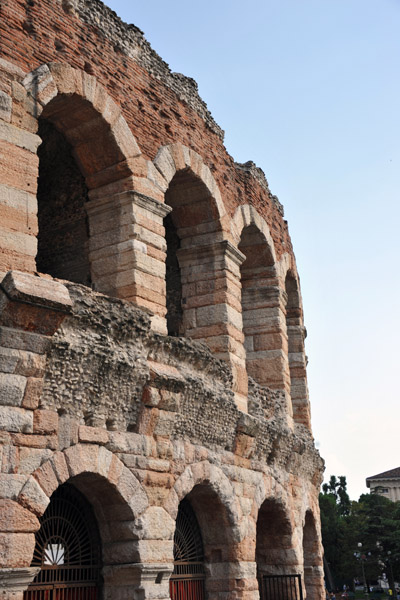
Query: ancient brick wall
[[151, 324]]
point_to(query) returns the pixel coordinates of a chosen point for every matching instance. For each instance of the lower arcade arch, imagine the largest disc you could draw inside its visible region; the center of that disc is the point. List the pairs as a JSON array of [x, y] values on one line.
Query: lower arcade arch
[[87, 532], [187, 579], [67, 550], [312, 559], [275, 554], [204, 547]]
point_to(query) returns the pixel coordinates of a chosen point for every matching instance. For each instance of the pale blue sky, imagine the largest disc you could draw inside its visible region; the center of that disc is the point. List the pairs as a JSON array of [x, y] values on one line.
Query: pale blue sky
[[310, 91]]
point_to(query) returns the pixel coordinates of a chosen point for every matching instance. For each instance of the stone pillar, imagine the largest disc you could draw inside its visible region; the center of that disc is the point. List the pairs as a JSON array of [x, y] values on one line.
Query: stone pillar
[[13, 582], [137, 581], [211, 305], [31, 309], [127, 250], [18, 207], [264, 324], [298, 372]]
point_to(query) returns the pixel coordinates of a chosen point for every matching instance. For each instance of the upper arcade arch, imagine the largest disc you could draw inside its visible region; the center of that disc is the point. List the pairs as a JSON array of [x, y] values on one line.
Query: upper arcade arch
[[78, 105], [262, 300], [203, 293]]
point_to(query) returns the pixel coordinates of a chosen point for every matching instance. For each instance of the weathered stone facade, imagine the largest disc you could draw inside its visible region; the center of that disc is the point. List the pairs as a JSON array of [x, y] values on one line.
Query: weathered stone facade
[[151, 325]]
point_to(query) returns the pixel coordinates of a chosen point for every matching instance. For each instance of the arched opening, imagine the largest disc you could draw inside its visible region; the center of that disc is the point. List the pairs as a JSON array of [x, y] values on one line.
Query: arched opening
[[296, 354], [260, 309], [63, 238], [212, 543], [67, 550], [275, 555], [312, 559], [190, 227], [187, 579], [79, 155]]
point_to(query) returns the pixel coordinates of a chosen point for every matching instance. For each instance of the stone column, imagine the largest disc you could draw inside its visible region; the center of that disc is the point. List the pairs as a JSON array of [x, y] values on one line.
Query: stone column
[[13, 582], [127, 250], [211, 305]]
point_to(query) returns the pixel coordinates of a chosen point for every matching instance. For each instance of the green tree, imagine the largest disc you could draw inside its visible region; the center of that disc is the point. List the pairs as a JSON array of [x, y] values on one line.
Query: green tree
[[373, 522]]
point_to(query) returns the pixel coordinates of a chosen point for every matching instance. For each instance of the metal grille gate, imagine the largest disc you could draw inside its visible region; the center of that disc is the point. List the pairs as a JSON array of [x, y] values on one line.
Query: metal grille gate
[[67, 550], [281, 587], [187, 579]]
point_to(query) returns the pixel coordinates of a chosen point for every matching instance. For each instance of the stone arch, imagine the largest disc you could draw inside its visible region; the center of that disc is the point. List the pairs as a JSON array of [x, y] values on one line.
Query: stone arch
[[275, 547], [245, 216], [209, 492], [297, 360], [117, 197], [177, 158], [262, 300], [91, 114], [202, 264], [117, 498], [312, 558]]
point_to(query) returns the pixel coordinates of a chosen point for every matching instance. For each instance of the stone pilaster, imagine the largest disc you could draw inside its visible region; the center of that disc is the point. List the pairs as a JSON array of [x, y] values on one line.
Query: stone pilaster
[[127, 250], [211, 305]]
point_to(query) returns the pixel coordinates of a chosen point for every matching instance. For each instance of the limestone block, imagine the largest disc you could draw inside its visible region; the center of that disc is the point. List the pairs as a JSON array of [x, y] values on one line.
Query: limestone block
[[46, 478], [16, 419], [45, 421], [11, 484], [5, 107], [165, 423], [132, 492], [155, 524], [92, 435], [15, 518], [20, 362], [121, 552], [31, 458], [19, 137], [15, 241], [16, 549], [33, 392], [155, 550], [33, 497], [165, 163], [40, 85], [12, 389], [217, 314], [82, 459], [67, 432], [33, 303], [60, 466], [23, 340]]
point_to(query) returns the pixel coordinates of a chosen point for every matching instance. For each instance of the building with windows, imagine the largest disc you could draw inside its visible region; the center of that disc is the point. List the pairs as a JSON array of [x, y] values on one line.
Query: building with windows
[[386, 484], [155, 422]]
